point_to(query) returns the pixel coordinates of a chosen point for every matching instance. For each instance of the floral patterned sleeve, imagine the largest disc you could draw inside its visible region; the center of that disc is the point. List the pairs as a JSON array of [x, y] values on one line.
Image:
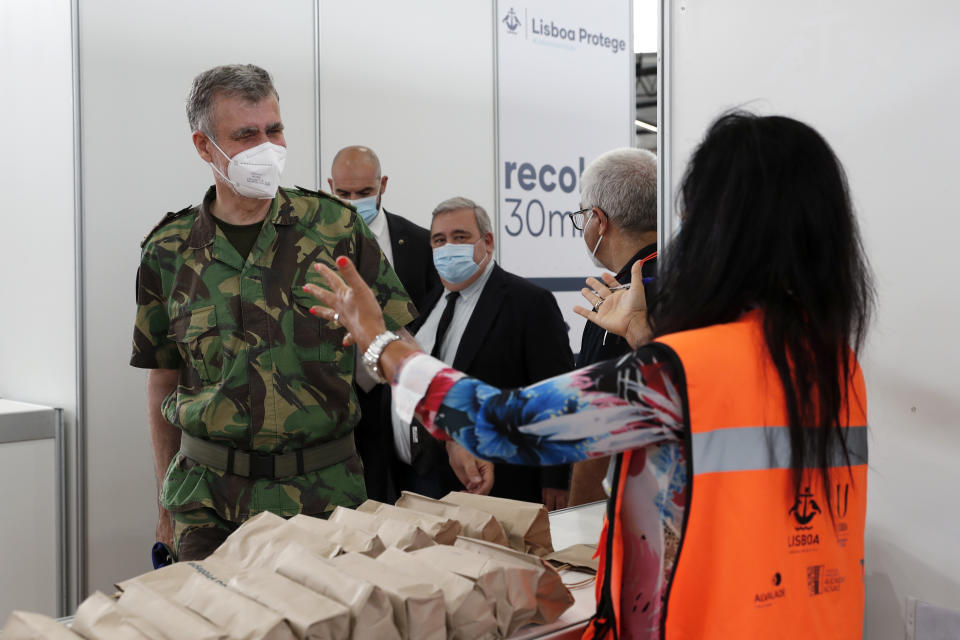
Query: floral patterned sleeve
[[611, 406]]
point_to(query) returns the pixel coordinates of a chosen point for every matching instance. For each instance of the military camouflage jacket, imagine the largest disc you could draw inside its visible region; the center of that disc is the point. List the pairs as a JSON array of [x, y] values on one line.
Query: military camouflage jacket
[[257, 370]]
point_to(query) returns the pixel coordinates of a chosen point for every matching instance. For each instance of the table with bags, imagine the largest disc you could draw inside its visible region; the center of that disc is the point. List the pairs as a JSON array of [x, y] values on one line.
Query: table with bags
[[463, 567]]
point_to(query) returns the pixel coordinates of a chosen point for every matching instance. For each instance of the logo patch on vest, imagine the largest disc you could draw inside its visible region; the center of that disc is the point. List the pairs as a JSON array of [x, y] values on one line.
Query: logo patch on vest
[[767, 598], [804, 510], [841, 501], [821, 580]]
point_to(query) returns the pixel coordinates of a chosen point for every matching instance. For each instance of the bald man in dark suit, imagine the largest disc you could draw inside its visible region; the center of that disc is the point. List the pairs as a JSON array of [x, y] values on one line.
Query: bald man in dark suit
[[356, 178]]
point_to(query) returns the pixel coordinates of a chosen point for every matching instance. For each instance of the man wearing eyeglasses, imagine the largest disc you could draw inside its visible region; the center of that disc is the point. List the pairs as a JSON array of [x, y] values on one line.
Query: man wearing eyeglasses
[[618, 196]]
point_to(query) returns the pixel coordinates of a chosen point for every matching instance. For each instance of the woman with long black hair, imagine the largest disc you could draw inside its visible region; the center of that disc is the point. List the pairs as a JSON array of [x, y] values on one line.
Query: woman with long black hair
[[738, 499]]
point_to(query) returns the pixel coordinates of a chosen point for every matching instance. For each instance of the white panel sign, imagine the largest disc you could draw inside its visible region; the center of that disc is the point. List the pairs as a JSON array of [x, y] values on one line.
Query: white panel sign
[[565, 94]]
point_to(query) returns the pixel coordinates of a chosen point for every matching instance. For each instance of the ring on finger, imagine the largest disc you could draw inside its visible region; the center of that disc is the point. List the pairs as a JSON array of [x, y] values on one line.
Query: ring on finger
[[336, 317]]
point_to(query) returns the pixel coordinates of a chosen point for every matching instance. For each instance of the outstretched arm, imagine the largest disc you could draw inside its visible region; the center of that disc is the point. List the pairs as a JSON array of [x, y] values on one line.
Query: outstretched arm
[[605, 408], [609, 407]]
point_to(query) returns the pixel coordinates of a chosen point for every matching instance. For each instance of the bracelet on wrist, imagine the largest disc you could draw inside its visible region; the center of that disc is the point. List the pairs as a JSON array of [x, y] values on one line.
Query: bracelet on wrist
[[371, 357]]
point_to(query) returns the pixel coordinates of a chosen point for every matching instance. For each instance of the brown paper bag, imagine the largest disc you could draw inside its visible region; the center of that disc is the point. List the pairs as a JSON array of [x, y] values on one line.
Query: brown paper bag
[[442, 529], [369, 544], [394, 533], [470, 615], [22, 625], [551, 596], [168, 580], [241, 617], [172, 620], [526, 523], [99, 617], [580, 556], [475, 523], [259, 540], [488, 576], [418, 608], [371, 615], [310, 614]]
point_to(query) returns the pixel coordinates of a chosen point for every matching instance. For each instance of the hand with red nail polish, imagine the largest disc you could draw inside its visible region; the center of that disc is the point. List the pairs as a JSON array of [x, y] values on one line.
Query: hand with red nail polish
[[349, 301]]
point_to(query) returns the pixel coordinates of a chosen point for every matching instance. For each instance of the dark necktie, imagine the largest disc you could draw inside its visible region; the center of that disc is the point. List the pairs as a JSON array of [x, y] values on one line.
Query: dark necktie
[[445, 319]]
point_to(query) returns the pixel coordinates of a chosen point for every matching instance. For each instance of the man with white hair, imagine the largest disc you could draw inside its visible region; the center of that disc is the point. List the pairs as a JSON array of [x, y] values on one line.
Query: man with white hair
[[618, 196]]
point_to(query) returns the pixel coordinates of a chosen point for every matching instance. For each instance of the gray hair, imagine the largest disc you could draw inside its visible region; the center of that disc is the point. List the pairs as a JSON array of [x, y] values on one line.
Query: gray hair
[[457, 203], [623, 183], [246, 81]]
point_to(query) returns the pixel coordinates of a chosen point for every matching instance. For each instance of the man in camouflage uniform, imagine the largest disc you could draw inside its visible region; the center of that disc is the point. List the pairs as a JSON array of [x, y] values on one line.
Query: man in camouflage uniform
[[250, 398]]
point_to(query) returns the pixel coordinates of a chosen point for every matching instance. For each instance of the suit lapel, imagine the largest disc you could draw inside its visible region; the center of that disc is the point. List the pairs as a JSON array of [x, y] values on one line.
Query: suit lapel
[[478, 327], [398, 244]]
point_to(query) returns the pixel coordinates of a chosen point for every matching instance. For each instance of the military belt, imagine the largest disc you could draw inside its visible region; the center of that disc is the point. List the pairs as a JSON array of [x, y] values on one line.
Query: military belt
[[254, 464]]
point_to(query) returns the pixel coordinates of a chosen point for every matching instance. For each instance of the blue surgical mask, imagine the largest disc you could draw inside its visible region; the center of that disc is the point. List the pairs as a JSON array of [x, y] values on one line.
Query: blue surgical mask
[[366, 207], [454, 262]]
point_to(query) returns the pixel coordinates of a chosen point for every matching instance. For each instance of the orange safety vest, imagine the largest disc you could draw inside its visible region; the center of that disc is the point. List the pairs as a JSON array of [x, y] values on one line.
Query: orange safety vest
[[756, 559]]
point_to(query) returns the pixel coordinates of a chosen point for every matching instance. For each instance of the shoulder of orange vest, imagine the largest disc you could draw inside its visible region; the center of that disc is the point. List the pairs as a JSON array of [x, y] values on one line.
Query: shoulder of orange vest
[[323, 194], [167, 219]]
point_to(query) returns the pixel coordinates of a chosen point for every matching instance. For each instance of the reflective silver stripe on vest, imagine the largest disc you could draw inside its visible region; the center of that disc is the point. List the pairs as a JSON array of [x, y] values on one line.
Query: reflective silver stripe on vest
[[754, 448]]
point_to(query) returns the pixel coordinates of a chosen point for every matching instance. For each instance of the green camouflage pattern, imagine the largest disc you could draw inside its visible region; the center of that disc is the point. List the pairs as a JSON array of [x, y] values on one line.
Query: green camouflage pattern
[[257, 371], [198, 533]]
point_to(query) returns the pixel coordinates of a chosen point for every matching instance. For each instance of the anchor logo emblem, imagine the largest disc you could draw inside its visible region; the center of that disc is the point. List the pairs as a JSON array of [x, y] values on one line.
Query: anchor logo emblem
[[804, 508], [511, 20]]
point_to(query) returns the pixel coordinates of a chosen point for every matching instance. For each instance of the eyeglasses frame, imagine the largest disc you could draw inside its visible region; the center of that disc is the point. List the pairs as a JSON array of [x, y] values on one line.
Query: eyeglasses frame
[[573, 218]]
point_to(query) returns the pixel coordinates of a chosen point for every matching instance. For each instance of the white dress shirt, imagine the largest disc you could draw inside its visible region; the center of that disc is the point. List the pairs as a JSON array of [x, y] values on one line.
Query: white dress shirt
[[426, 337], [381, 231]]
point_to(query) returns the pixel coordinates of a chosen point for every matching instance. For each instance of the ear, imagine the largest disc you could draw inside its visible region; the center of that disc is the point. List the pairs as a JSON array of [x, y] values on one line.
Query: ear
[[602, 220], [383, 185], [202, 144], [488, 241], [330, 182]]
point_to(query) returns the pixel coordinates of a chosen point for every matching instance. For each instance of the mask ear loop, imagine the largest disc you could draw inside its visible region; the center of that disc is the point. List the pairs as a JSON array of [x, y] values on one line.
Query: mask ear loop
[[480, 266], [214, 143], [599, 240], [232, 184]]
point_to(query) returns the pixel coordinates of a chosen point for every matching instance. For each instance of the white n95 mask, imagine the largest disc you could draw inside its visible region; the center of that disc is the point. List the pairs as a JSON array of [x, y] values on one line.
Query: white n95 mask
[[254, 173]]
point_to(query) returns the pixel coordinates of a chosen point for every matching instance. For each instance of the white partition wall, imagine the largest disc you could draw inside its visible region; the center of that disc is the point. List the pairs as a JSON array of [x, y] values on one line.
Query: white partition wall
[[33, 537], [879, 81], [37, 323], [137, 61], [414, 81]]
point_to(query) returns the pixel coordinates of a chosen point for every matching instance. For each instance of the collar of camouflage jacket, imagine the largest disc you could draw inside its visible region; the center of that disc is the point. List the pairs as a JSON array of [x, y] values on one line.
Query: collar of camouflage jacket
[[205, 227]]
